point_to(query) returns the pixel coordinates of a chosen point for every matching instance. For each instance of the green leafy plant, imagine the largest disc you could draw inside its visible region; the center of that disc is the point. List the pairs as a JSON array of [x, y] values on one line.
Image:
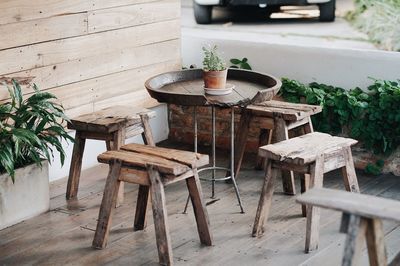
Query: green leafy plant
[[242, 64], [374, 168], [372, 117], [30, 129], [212, 61]]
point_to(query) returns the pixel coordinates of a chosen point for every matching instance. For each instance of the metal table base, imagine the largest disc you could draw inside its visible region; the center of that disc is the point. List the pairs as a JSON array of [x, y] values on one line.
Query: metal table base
[[214, 167]]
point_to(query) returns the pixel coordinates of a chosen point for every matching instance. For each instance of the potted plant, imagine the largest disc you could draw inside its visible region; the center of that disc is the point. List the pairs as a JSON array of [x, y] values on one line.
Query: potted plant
[[31, 130], [214, 69]]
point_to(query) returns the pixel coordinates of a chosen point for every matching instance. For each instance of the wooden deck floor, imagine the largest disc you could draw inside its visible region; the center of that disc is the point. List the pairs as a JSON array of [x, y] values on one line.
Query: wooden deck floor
[[64, 235]]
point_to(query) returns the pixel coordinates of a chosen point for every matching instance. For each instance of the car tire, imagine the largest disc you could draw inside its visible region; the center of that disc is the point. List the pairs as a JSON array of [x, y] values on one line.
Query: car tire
[[202, 13], [327, 11]]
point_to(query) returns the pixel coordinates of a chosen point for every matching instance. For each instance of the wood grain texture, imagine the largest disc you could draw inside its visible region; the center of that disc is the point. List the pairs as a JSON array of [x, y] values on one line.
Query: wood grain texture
[[304, 149], [133, 15], [375, 243], [313, 212], [265, 201], [288, 111], [132, 159], [241, 140], [109, 119], [352, 203], [281, 133], [142, 202], [38, 240], [190, 159], [186, 88], [91, 67], [76, 166], [108, 203], [160, 216], [354, 240], [199, 209], [69, 49], [46, 29], [22, 10]]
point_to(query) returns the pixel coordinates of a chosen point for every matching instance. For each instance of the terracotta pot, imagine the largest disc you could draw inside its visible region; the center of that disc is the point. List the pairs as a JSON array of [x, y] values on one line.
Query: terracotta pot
[[215, 79]]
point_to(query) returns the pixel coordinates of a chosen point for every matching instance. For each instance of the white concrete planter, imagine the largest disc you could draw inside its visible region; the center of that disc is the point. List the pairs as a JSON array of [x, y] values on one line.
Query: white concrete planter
[[27, 197]]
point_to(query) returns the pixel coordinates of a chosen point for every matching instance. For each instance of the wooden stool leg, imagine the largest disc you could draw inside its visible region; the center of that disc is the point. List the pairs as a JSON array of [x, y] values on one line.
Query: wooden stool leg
[[308, 127], [76, 166], [354, 240], [264, 139], [349, 173], [375, 243], [305, 179], [160, 217], [118, 141], [141, 208], [147, 134], [264, 203], [305, 183], [282, 133], [313, 213], [200, 210], [241, 139], [108, 202]]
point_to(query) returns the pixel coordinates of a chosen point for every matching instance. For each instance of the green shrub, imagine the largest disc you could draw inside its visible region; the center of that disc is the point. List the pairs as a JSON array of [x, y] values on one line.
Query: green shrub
[[30, 129], [373, 117], [380, 20]]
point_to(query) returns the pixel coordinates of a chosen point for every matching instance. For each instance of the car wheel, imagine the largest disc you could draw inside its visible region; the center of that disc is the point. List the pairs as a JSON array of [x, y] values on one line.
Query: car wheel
[[202, 13], [327, 11]]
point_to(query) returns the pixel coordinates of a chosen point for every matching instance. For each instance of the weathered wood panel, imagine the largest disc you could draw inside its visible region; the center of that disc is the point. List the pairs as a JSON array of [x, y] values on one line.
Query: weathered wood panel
[[64, 50], [22, 10], [50, 43], [95, 66], [106, 87], [23, 33], [127, 16]]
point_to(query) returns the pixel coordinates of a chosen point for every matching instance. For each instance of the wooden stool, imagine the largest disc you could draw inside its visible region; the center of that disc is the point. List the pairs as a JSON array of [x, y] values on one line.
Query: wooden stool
[[314, 154], [361, 220], [152, 168], [112, 125], [276, 119]]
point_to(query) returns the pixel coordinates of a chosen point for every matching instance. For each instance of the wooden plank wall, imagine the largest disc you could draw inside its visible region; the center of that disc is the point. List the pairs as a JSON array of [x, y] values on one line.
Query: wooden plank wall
[[90, 53]]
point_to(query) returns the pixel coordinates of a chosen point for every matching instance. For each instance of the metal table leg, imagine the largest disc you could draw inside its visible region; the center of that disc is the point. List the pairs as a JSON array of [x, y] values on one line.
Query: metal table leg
[[213, 168]]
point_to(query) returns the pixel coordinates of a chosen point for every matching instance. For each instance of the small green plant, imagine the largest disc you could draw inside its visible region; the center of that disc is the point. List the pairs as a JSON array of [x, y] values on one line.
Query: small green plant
[[30, 129], [212, 61], [374, 168], [373, 117], [242, 64]]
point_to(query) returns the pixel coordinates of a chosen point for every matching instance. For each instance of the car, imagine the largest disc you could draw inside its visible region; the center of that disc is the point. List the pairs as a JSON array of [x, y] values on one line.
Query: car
[[203, 8]]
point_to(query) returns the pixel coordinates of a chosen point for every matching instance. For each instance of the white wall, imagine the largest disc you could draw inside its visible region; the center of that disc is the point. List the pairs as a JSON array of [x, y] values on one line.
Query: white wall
[[346, 68], [159, 126]]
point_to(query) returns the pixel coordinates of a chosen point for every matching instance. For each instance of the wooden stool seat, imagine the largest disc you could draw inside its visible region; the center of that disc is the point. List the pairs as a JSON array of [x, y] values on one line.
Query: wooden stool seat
[[112, 125], [312, 154], [361, 221], [275, 119], [152, 168]]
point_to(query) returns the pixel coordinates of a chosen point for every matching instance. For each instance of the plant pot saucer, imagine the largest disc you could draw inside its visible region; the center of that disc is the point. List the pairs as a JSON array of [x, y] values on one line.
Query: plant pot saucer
[[228, 89]]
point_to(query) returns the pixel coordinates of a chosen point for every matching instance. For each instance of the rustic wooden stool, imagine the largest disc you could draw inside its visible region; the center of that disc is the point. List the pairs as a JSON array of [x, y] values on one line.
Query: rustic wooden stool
[[112, 125], [361, 220], [314, 154], [152, 168], [276, 119]]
